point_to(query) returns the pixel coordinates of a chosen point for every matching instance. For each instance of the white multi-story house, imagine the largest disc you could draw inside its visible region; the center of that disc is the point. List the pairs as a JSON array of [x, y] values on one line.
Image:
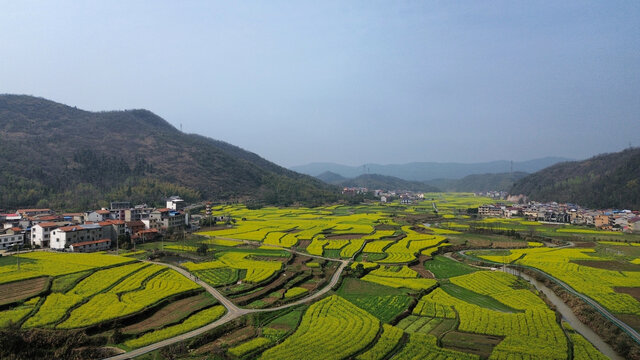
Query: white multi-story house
[[490, 210], [41, 233], [137, 213], [11, 238], [98, 216], [167, 219], [175, 203], [63, 237]]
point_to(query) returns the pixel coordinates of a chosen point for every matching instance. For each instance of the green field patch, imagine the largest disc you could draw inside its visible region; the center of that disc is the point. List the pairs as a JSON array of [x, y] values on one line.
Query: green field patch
[[413, 323], [249, 346], [288, 321], [506, 288], [421, 346], [219, 276], [588, 231], [426, 307], [385, 307], [295, 292], [475, 298], [387, 341], [616, 265], [395, 271], [406, 322], [65, 283], [444, 327], [383, 302], [426, 325], [443, 267], [371, 257], [429, 326], [334, 253], [344, 330], [351, 286], [269, 252], [407, 283], [478, 344], [17, 313], [256, 270]]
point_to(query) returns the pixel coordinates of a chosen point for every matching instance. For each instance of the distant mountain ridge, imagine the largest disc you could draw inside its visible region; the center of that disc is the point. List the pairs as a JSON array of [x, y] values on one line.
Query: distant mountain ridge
[[382, 182], [331, 177], [603, 181], [54, 155], [471, 183], [424, 171]]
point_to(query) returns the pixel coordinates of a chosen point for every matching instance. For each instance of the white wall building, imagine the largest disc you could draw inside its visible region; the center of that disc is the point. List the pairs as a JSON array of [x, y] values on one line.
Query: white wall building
[[62, 238], [7, 241], [98, 216], [41, 233], [175, 203]]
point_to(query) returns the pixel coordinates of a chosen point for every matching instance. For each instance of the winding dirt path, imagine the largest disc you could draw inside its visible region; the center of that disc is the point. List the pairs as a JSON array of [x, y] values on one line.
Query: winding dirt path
[[233, 311]]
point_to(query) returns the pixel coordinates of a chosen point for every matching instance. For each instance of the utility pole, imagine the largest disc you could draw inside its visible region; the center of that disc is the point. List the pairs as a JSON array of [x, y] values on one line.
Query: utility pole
[[18, 257]]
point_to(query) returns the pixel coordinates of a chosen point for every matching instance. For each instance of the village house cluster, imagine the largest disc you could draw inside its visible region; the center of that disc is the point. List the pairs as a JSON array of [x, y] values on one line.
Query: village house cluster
[[90, 231], [609, 219], [405, 197]]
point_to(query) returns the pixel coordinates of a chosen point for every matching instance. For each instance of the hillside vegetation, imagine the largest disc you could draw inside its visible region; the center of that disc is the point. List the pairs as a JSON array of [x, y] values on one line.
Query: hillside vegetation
[[479, 182], [59, 156], [603, 181], [375, 181]]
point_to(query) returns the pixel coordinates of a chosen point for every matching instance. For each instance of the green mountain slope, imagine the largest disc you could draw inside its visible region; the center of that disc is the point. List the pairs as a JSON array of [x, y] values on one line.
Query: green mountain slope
[[604, 181], [59, 156], [479, 182], [330, 177]]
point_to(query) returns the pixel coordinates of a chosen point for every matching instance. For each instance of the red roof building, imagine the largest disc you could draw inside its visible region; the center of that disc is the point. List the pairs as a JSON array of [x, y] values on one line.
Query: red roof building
[[90, 246]]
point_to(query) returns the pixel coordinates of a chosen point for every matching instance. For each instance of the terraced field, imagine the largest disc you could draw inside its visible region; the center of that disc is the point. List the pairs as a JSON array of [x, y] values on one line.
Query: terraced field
[[351, 329], [280, 301], [597, 283], [36, 264]]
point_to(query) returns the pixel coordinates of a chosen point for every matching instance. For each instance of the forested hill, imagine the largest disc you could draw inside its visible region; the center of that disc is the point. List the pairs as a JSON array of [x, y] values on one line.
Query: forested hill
[[479, 182], [58, 156], [604, 181], [376, 181]]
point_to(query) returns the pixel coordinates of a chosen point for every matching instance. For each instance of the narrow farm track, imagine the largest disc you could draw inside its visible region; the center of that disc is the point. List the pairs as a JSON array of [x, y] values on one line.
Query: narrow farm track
[[143, 350], [231, 307], [326, 289], [233, 311], [594, 304], [603, 346]]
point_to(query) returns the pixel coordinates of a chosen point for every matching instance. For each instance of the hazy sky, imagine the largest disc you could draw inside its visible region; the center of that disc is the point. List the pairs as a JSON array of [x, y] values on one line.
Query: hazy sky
[[345, 81]]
